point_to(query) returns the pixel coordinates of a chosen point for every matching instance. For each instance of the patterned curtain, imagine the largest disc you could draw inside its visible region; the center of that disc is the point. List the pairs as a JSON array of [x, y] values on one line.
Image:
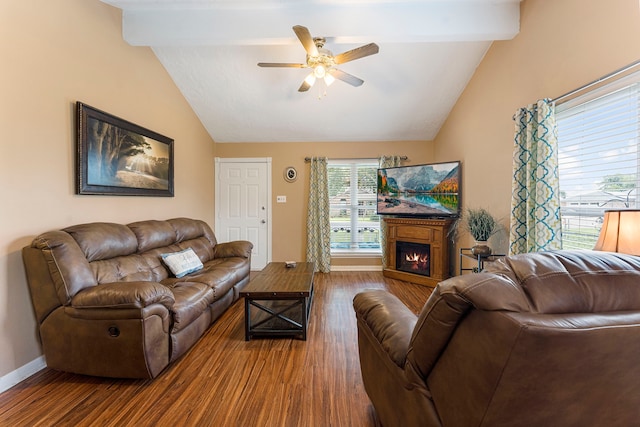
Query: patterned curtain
[[386, 162], [535, 197], [318, 225]]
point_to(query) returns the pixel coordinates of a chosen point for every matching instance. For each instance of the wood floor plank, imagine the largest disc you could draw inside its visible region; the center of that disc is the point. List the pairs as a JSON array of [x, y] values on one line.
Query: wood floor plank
[[226, 381]]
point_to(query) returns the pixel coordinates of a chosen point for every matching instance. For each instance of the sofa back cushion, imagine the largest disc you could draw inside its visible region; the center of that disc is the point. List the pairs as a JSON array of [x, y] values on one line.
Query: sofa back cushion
[[101, 240], [194, 234], [188, 229], [574, 281], [153, 234]]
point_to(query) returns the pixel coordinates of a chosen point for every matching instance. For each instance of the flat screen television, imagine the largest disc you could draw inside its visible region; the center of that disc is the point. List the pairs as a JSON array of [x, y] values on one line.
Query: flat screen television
[[426, 191]]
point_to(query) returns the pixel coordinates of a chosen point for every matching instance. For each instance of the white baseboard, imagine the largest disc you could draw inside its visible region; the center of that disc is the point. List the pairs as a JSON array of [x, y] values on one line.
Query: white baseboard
[[23, 372], [356, 268]]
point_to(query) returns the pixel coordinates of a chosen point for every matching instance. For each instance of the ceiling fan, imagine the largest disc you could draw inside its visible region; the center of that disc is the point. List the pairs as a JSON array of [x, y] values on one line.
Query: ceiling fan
[[323, 62]]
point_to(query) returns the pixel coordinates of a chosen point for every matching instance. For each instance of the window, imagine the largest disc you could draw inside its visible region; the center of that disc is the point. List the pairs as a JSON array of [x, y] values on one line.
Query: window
[[599, 162], [355, 226]]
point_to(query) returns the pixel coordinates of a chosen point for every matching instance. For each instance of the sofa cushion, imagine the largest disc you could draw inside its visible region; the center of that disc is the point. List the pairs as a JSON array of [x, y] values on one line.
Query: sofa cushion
[[191, 300], [122, 269], [187, 228], [183, 262], [123, 295], [200, 245], [219, 275], [574, 281], [103, 240], [153, 260], [153, 234]]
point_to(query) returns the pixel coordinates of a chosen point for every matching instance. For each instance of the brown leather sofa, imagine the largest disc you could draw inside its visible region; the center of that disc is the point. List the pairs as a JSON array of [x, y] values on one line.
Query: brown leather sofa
[[544, 339], [108, 306]]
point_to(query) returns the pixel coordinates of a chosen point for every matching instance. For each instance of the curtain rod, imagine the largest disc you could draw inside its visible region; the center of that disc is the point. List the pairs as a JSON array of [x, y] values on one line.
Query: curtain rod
[[593, 83], [598, 81], [308, 159]]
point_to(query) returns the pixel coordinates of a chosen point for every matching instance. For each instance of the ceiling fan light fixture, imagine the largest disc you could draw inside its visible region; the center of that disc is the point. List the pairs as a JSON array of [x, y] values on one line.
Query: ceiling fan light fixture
[[310, 79], [328, 79], [319, 71]]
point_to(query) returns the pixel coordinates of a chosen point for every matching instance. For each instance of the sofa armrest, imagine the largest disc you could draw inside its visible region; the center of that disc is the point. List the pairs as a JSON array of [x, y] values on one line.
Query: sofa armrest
[[388, 320], [123, 295], [240, 248]]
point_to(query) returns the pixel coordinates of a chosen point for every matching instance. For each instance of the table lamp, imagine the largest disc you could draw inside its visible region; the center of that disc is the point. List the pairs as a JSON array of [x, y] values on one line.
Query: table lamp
[[620, 232]]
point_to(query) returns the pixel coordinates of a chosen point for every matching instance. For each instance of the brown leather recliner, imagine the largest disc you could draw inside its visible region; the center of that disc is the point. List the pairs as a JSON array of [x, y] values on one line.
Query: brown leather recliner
[[543, 339]]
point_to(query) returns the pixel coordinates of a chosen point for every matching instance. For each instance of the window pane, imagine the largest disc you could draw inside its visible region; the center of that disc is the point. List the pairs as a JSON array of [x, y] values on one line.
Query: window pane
[[598, 161], [352, 205]]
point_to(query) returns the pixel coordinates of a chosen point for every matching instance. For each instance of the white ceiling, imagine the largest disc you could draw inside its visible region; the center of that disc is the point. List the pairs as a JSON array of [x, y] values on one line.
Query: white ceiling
[[429, 49]]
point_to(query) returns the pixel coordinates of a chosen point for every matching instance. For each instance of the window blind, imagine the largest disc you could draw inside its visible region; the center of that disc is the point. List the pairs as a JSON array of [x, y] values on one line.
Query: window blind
[[598, 161], [352, 205]]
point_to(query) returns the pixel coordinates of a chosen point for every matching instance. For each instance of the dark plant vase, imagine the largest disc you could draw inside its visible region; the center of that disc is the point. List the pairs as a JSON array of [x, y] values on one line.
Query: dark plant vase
[[481, 248]]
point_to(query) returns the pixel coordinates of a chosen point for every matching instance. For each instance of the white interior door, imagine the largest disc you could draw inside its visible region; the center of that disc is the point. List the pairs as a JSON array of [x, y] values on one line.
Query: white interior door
[[243, 205]]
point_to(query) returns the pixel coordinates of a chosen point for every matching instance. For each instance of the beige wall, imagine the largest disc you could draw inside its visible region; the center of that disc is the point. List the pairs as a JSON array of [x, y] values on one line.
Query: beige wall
[[562, 45], [289, 219], [55, 53]]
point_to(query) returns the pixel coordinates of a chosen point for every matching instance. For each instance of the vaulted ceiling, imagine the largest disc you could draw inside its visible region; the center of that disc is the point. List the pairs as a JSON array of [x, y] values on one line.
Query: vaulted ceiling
[[429, 49]]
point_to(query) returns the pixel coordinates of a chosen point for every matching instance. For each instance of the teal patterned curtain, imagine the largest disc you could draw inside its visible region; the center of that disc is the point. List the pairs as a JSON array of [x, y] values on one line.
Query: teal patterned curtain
[[386, 162], [535, 197], [318, 225]]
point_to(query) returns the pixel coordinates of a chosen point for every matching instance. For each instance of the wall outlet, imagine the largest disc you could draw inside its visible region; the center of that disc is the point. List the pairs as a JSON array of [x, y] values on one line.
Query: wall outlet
[[281, 199]]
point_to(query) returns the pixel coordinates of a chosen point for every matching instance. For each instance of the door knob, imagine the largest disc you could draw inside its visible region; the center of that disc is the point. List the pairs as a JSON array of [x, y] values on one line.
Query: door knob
[[263, 221]]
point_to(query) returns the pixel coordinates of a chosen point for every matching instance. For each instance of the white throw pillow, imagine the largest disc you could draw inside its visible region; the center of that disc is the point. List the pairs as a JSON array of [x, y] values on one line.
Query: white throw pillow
[[183, 262]]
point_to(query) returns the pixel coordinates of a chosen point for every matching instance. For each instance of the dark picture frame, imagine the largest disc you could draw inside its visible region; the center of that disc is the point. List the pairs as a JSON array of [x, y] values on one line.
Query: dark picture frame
[[117, 157]]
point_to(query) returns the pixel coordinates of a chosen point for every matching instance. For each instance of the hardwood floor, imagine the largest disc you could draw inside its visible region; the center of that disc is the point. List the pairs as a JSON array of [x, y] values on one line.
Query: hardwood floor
[[224, 380]]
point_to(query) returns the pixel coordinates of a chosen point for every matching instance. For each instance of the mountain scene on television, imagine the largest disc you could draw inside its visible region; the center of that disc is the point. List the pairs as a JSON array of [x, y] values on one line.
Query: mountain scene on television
[[419, 190]]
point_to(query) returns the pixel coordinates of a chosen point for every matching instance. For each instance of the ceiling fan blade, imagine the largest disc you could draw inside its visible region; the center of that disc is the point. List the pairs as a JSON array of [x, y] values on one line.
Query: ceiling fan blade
[[304, 87], [345, 77], [357, 53], [305, 38], [280, 64], [307, 82]]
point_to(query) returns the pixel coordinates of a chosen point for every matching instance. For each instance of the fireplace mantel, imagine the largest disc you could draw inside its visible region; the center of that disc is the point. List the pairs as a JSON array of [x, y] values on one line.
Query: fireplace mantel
[[423, 231]]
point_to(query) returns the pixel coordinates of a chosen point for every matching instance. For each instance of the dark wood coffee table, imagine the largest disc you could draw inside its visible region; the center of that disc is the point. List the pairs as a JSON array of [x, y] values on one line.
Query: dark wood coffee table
[[278, 300]]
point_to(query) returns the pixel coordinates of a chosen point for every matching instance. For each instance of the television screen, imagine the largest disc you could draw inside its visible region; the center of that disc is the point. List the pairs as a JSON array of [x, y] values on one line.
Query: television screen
[[430, 190]]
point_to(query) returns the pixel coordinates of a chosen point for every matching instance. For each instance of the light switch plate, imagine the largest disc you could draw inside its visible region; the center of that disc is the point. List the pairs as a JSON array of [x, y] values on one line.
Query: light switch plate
[[281, 199]]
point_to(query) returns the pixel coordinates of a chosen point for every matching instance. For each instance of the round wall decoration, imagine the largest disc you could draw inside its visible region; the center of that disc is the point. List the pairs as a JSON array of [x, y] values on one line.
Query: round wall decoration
[[290, 174]]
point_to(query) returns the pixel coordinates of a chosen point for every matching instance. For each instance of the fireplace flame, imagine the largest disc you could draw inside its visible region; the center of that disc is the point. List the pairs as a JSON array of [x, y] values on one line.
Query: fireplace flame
[[416, 257], [417, 260]]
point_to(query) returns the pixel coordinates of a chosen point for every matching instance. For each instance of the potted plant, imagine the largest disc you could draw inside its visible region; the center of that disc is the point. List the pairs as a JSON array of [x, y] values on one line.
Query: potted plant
[[481, 225]]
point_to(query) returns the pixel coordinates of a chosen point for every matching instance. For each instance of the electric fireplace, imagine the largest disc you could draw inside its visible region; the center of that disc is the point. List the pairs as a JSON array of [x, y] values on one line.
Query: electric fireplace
[[417, 250], [413, 257]]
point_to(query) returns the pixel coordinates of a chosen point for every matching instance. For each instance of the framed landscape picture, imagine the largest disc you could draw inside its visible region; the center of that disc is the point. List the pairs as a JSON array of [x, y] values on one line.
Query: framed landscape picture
[[116, 157]]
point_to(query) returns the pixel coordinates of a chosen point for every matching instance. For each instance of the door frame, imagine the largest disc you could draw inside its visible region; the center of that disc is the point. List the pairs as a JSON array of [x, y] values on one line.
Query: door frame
[[216, 210]]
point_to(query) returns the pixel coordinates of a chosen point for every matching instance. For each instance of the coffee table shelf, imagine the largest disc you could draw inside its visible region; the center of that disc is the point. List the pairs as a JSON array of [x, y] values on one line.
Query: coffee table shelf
[[278, 301]]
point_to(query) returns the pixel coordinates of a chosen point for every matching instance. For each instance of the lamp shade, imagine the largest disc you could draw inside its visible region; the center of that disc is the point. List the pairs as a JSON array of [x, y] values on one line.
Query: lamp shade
[[620, 232]]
